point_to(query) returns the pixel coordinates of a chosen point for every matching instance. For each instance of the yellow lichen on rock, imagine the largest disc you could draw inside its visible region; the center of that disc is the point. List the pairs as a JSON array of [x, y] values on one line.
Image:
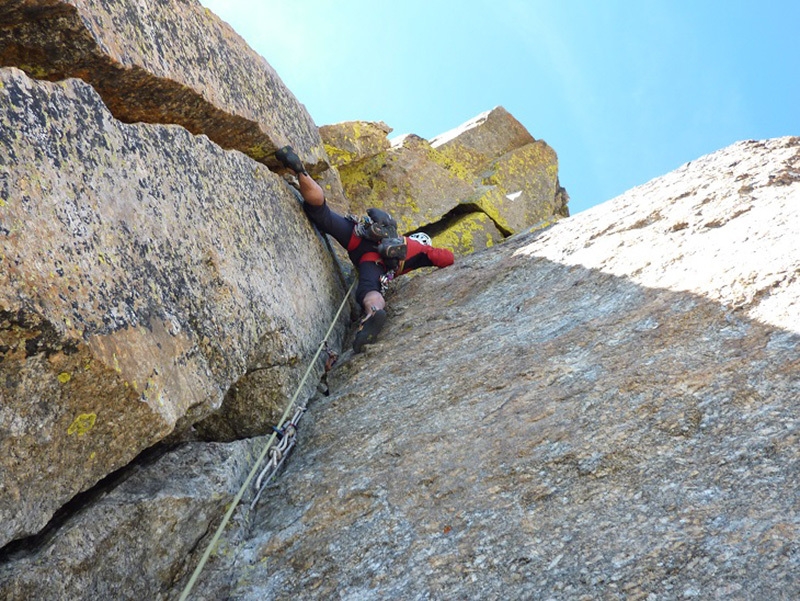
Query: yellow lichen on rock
[[491, 203], [354, 141], [470, 161], [459, 168], [468, 234], [82, 424], [338, 156]]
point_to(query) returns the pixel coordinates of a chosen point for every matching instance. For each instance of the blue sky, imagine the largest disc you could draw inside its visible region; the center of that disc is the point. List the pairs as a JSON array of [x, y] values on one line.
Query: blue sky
[[624, 91]]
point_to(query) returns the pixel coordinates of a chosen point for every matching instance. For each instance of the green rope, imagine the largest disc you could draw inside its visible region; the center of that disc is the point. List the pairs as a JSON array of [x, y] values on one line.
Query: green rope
[[240, 494]]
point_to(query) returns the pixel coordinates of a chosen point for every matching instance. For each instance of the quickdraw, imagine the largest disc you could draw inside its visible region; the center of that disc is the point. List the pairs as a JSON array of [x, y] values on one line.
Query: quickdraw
[[386, 279], [276, 457], [286, 438]]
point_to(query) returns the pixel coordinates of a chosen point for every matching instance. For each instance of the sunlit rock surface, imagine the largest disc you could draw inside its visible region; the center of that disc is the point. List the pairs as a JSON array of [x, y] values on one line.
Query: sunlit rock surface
[[143, 272], [605, 409], [490, 165], [171, 61]]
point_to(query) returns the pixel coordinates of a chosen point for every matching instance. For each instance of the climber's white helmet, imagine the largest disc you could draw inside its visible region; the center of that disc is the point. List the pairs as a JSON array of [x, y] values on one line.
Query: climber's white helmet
[[422, 237]]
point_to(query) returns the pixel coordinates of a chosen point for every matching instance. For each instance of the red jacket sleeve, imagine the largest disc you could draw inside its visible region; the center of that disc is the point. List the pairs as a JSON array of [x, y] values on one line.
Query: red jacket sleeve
[[421, 255], [440, 257]]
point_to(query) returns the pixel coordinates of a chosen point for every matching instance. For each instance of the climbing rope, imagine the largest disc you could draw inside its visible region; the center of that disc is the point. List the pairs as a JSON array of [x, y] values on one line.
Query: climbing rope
[[277, 455]]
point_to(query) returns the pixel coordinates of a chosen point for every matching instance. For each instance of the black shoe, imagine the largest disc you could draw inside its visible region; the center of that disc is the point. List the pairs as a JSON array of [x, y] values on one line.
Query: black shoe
[[289, 159], [368, 331]]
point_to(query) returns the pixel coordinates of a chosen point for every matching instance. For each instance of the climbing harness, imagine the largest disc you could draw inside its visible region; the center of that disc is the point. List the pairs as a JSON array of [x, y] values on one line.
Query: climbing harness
[[268, 450]]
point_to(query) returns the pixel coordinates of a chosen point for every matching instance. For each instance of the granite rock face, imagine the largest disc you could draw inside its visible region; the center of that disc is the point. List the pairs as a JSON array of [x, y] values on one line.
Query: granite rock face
[[483, 138], [354, 141], [163, 62], [407, 181], [603, 409], [490, 166], [134, 540], [144, 271]]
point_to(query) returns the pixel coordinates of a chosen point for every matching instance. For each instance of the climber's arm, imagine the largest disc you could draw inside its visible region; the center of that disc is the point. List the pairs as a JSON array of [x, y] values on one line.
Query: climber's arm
[[440, 257], [421, 255]]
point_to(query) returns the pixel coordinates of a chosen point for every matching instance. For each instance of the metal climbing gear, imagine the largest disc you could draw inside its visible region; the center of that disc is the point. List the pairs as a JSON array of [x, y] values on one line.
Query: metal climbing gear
[[386, 279], [376, 225], [278, 452], [237, 499]]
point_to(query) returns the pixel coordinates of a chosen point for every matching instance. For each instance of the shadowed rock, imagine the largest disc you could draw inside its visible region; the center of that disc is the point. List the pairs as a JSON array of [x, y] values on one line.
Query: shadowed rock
[[139, 532], [468, 233]]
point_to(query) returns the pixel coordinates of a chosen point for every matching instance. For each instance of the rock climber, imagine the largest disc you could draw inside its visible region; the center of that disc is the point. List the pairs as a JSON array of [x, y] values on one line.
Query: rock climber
[[373, 245]]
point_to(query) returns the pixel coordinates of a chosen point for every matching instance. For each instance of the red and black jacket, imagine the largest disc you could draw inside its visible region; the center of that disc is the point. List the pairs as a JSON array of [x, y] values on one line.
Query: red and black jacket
[[422, 255], [418, 255]]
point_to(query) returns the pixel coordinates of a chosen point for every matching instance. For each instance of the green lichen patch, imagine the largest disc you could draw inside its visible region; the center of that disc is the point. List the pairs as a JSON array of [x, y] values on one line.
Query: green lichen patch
[[468, 160], [338, 156], [354, 141]]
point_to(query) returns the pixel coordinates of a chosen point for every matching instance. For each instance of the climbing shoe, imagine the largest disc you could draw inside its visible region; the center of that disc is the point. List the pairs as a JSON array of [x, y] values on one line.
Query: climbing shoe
[[369, 329], [289, 159]]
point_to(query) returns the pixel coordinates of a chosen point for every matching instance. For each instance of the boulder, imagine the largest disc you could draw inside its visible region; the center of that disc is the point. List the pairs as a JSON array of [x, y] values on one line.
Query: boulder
[[410, 180], [143, 272], [134, 541], [171, 61], [518, 175], [354, 141], [476, 143], [490, 165], [603, 409], [521, 188]]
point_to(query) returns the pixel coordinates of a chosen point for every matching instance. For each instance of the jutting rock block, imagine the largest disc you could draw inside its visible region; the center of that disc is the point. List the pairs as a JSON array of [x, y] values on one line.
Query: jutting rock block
[[489, 165], [163, 62], [143, 271]]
